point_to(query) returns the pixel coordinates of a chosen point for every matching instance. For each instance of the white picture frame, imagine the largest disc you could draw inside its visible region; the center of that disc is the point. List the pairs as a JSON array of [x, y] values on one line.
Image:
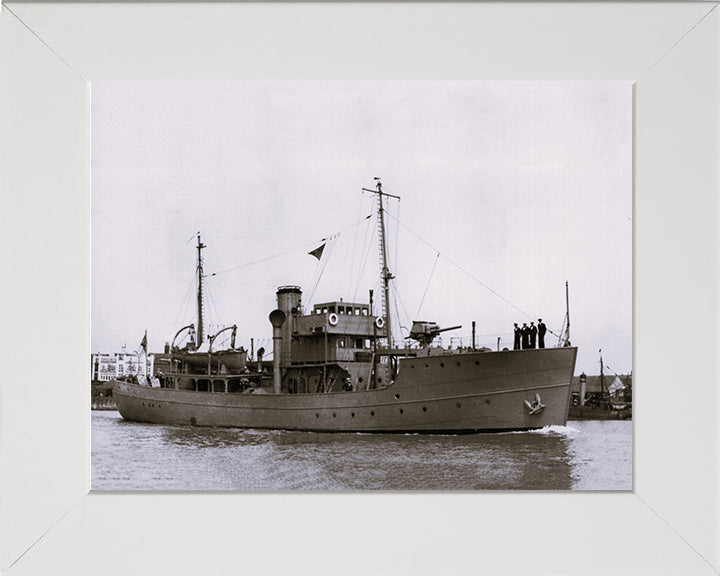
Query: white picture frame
[[50, 523]]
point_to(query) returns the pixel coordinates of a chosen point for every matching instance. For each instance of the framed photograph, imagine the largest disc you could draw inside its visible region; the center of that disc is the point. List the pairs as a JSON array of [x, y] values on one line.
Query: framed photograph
[[64, 62]]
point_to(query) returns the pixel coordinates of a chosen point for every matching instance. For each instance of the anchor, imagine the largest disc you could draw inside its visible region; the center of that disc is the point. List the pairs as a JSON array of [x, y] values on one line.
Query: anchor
[[536, 407]]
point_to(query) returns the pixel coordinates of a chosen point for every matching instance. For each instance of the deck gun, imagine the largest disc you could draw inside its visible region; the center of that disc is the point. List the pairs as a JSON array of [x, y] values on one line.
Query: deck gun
[[425, 332]]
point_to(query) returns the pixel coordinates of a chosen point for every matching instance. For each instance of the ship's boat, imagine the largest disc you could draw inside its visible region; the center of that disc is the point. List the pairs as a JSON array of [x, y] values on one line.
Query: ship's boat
[[335, 368], [225, 360]]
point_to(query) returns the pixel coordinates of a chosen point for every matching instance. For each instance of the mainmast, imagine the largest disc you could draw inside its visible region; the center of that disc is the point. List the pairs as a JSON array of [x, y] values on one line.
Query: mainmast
[[386, 275], [200, 246]]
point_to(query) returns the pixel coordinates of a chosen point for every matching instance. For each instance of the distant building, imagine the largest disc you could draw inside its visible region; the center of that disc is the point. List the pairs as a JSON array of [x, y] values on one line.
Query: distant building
[[593, 382], [104, 367], [594, 389]]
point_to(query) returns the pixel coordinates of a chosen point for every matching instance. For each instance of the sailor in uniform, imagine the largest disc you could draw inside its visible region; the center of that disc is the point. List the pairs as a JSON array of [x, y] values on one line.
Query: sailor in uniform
[[525, 333], [541, 333], [533, 334], [516, 341]]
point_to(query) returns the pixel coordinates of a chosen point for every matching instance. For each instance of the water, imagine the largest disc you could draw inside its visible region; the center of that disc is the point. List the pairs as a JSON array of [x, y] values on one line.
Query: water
[[585, 455]]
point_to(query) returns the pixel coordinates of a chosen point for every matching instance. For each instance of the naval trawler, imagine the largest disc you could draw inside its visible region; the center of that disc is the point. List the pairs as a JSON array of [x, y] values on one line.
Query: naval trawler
[[335, 369]]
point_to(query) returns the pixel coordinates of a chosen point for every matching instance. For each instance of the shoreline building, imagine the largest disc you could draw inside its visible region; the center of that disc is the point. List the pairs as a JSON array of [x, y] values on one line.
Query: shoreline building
[[106, 366], [593, 388]]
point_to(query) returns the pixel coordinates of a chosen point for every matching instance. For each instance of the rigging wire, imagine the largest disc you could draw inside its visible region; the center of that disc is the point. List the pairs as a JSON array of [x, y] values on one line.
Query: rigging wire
[[290, 251], [427, 286], [613, 371], [302, 247], [466, 272], [396, 297], [376, 289], [368, 242], [397, 235], [355, 238], [319, 266], [331, 242], [212, 299], [186, 300], [561, 332]]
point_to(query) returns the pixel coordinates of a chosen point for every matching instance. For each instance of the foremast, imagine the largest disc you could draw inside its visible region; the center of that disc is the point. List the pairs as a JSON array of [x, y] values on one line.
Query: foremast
[[386, 275]]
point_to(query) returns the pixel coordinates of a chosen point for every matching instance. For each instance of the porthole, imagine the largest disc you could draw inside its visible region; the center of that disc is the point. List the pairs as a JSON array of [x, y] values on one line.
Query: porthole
[[360, 379], [333, 414], [458, 405], [352, 414], [379, 380], [477, 362], [487, 401], [317, 415], [402, 411], [427, 365], [442, 364], [412, 366], [397, 396], [458, 363], [424, 408], [372, 412]]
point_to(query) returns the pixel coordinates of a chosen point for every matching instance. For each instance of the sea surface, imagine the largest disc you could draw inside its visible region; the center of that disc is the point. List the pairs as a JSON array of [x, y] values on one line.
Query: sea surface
[[584, 455]]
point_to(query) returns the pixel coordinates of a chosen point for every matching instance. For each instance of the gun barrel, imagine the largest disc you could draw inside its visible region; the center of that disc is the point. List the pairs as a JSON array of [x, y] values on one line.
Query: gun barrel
[[446, 329]]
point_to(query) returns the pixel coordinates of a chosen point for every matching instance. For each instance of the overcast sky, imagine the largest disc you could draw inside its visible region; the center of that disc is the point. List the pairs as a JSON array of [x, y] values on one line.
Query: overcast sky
[[507, 190]]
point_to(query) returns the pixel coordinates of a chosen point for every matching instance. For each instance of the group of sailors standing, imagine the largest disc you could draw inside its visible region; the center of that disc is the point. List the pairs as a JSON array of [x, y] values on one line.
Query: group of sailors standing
[[528, 336]]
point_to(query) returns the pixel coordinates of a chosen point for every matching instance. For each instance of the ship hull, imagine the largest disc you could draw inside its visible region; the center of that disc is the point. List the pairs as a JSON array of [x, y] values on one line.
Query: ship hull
[[448, 393]]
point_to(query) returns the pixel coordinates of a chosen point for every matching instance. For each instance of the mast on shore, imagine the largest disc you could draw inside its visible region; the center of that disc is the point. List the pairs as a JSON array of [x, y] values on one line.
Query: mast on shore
[[200, 334], [386, 275]]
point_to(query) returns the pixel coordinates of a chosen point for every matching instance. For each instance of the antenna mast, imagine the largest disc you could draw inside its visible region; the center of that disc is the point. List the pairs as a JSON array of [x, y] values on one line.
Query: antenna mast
[[386, 275], [200, 334]]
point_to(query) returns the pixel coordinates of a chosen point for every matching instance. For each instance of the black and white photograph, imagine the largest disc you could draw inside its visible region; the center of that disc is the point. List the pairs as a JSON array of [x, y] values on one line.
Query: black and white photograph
[[343, 286]]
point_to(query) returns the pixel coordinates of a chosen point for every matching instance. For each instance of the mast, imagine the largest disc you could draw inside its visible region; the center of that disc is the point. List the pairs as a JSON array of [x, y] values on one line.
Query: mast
[[602, 377], [567, 315], [386, 275], [200, 334]]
